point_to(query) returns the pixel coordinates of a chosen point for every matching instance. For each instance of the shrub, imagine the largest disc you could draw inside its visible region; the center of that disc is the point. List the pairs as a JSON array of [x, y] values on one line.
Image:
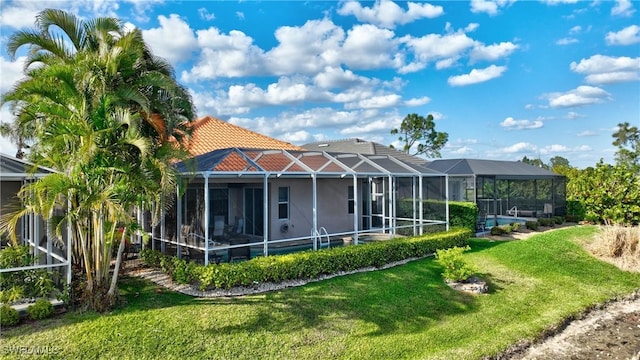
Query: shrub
[[532, 225], [501, 230], [547, 222], [311, 264], [572, 218], [23, 284], [618, 242], [42, 309], [515, 226], [8, 315], [559, 220], [455, 267]]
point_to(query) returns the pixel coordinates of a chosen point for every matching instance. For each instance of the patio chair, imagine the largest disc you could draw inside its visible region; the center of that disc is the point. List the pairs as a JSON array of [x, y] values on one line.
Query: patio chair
[[238, 227], [481, 222], [241, 253], [548, 210], [218, 227]]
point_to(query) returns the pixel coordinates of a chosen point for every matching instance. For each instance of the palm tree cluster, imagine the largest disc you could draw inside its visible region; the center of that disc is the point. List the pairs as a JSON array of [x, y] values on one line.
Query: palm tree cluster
[[97, 106]]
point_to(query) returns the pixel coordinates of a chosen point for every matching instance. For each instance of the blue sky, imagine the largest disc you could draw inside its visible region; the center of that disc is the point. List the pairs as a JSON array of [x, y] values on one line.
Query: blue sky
[[504, 78]]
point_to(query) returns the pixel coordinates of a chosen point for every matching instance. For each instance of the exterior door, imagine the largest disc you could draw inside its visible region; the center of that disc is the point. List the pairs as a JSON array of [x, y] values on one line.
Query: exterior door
[[254, 211]]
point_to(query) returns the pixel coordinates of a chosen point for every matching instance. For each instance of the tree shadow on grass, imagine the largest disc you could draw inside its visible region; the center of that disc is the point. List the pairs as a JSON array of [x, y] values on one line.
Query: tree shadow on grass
[[405, 299]]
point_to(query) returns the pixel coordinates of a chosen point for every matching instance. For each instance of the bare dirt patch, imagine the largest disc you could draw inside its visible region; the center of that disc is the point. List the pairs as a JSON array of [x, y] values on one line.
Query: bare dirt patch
[[611, 331]]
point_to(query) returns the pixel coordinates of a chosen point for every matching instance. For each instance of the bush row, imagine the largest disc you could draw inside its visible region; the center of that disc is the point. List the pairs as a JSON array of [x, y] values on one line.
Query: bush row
[[303, 265], [461, 213], [41, 309]]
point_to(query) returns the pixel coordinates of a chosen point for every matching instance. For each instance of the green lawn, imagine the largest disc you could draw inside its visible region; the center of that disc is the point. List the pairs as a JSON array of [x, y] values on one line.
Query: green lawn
[[403, 312]]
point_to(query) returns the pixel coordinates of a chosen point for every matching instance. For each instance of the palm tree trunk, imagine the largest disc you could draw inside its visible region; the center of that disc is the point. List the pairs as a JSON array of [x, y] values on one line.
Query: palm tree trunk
[[114, 278]]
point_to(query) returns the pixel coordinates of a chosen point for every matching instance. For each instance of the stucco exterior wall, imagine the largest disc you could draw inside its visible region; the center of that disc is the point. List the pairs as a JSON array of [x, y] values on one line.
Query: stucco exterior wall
[[332, 207]]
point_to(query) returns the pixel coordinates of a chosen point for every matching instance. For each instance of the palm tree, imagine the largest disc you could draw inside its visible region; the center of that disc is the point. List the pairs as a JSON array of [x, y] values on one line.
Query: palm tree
[[165, 105], [103, 113]]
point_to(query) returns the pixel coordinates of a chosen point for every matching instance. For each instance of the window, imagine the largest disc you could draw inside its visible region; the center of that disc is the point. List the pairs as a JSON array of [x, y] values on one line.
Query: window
[[283, 202], [350, 202]]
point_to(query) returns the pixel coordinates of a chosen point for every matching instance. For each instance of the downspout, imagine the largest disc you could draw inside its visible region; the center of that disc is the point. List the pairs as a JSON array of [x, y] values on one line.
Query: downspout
[[421, 204], [265, 215], [206, 219], [179, 223], [356, 215], [314, 204], [413, 203], [69, 236], [446, 191]]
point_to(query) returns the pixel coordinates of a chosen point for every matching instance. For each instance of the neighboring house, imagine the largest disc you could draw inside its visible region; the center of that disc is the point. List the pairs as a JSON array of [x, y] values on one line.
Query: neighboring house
[[249, 192], [359, 146], [32, 230], [505, 187]]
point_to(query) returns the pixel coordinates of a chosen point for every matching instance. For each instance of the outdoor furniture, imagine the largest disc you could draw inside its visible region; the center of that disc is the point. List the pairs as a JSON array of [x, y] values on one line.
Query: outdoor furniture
[[239, 253], [218, 227], [481, 222]]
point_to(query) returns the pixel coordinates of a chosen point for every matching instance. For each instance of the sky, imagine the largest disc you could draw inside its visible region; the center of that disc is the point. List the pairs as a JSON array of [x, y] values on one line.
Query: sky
[[504, 78]]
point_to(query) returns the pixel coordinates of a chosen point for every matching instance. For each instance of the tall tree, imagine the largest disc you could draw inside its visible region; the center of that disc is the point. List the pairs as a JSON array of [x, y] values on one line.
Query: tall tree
[[559, 164], [103, 113], [153, 92], [420, 131], [627, 139], [535, 162]]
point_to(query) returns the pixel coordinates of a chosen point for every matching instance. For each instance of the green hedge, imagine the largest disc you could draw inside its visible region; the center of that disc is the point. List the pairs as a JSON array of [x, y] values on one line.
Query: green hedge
[[461, 213], [306, 264]]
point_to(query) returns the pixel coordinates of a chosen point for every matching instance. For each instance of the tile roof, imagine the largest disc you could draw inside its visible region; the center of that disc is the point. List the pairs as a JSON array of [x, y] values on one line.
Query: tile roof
[[211, 134], [359, 146]]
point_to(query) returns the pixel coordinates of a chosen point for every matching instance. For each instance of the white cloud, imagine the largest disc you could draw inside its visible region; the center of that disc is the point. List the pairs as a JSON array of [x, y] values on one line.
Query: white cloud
[[567, 41], [306, 49], [6, 146], [462, 151], [477, 76], [300, 136], [555, 149], [337, 77], [417, 101], [436, 47], [380, 125], [513, 124], [369, 47], [222, 55], [388, 14], [182, 44], [623, 8], [489, 6], [11, 72], [556, 2], [205, 14], [240, 15], [627, 36], [586, 133], [575, 30], [572, 115], [376, 102], [492, 52], [580, 96], [285, 91], [602, 69], [521, 147]]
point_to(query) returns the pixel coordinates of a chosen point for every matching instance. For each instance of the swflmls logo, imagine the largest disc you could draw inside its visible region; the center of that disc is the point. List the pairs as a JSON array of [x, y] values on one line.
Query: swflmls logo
[[30, 350]]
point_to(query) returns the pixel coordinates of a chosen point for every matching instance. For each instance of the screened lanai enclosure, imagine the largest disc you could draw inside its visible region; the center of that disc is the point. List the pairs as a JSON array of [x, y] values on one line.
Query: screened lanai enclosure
[[237, 204], [46, 251], [505, 188]]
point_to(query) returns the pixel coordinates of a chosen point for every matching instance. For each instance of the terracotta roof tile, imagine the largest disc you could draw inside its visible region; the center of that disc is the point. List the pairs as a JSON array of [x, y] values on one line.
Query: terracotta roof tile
[[211, 134]]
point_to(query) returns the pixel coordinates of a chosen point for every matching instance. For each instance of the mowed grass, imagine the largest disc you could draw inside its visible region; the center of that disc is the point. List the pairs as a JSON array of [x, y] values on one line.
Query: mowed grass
[[402, 312]]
